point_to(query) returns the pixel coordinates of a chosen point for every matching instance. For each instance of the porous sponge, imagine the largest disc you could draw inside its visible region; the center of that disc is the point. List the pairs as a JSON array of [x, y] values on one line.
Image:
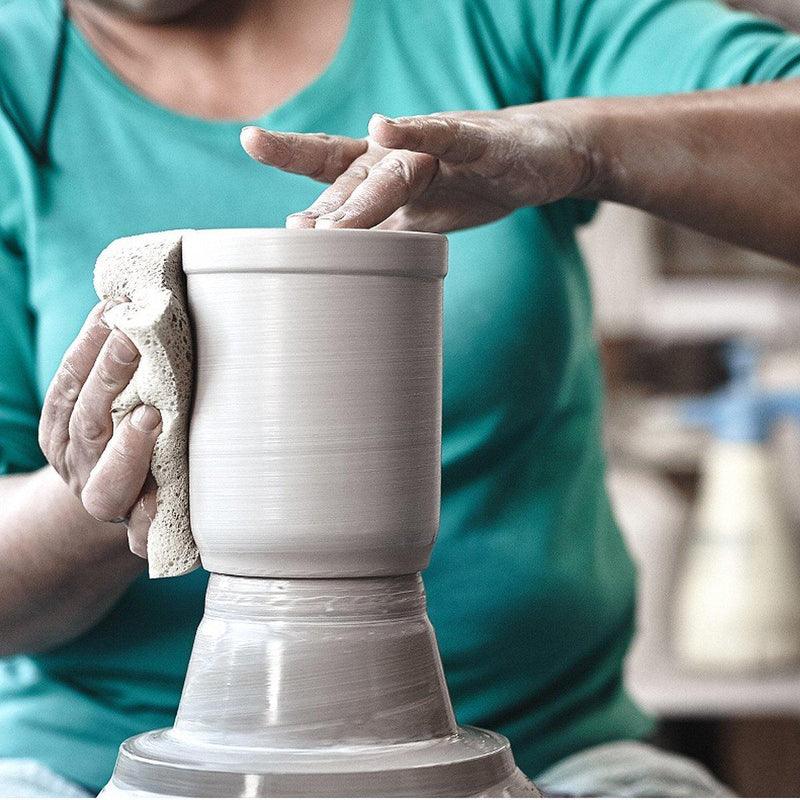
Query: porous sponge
[[147, 273]]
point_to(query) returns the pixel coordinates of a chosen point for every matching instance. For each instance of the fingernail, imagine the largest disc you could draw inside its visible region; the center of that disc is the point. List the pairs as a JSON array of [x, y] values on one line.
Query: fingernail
[[249, 131], [107, 306], [145, 418], [137, 543], [121, 349], [303, 219], [334, 215], [329, 220]]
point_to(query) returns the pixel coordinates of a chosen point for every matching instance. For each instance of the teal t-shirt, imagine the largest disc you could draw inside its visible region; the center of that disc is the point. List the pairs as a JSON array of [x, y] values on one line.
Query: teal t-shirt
[[531, 590]]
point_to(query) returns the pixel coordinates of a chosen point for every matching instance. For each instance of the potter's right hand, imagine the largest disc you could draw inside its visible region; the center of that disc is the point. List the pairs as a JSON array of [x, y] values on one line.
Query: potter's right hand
[[109, 470]]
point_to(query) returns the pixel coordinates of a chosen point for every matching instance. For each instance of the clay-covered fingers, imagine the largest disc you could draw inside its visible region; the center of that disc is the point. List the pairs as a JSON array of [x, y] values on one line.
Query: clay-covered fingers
[[396, 179], [336, 194], [316, 155], [117, 479], [66, 386], [90, 426], [447, 137]]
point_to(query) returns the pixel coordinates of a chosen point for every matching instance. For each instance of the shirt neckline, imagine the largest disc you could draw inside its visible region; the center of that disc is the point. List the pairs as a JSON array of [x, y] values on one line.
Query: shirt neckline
[[339, 75]]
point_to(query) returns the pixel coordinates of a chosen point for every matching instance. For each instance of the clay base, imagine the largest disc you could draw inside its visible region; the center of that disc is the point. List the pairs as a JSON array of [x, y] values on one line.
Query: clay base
[[473, 763], [316, 688]]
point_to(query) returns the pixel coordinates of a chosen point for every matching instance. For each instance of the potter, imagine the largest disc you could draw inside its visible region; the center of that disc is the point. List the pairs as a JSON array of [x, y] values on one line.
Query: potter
[[498, 123]]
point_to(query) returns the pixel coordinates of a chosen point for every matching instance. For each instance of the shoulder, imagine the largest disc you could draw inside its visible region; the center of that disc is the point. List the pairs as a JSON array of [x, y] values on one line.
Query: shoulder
[[28, 36], [28, 32], [491, 39], [26, 24], [514, 14]]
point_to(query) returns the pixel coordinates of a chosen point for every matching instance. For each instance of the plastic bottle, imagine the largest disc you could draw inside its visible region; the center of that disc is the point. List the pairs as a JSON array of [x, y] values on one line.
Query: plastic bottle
[[738, 594]]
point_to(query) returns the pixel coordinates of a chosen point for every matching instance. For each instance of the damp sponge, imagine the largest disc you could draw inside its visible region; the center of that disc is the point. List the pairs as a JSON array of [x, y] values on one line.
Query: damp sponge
[[146, 271]]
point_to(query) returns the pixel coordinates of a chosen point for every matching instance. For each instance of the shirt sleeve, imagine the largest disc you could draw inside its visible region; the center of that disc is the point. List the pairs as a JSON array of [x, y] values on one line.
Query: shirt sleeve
[[640, 47]]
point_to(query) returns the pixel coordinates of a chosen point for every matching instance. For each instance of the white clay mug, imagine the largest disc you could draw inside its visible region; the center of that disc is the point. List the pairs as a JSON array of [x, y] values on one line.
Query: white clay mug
[[314, 442]]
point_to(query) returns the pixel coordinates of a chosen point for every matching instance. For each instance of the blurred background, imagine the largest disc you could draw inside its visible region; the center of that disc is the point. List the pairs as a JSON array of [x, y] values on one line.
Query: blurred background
[[701, 346]]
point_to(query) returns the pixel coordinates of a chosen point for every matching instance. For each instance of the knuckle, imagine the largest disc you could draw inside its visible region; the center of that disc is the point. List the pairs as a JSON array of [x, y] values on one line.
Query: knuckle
[[67, 384], [107, 374], [319, 172], [44, 434], [450, 122], [358, 172], [99, 503], [43, 441], [399, 168], [453, 126], [88, 427], [125, 451]]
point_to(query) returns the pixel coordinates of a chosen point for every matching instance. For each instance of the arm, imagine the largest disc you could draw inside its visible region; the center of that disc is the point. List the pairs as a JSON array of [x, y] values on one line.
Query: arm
[[787, 12], [64, 556], [724, 162], [60, 569]]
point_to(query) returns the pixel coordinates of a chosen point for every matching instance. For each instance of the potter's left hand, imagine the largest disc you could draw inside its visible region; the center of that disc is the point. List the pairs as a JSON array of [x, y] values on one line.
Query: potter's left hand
[[439, 172]]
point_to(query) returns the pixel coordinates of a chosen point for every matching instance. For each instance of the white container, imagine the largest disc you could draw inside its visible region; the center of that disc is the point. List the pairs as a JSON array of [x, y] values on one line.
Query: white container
[[738, 599]]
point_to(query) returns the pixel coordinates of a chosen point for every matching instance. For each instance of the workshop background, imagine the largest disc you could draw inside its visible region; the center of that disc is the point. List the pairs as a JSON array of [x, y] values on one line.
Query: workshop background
[[694, 332]]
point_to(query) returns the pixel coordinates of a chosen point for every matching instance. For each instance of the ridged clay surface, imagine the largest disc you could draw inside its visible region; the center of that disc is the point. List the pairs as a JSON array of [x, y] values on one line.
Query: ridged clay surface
[[315, 437], [303, 688]]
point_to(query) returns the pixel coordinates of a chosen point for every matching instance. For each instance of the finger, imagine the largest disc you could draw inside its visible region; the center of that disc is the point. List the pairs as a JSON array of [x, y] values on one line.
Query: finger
[[317, 155], [141, 518], [69, 379], [336, 194], [395, 180], [119, 475], [448, 138], [90, 425]]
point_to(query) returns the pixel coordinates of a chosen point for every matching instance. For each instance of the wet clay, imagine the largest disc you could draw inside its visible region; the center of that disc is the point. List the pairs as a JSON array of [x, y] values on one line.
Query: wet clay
[[315, 433]]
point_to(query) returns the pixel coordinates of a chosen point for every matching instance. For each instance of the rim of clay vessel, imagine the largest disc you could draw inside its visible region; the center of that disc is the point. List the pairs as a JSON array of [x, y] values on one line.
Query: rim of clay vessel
[[340, 252]]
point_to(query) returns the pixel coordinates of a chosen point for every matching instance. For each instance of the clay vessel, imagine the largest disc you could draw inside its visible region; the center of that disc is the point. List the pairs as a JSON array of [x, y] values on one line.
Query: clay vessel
[[314, 470], [315, 433]]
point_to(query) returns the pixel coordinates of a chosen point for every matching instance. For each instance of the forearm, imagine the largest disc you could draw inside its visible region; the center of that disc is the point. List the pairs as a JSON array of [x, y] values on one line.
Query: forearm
[[725, 162], [60, 569]]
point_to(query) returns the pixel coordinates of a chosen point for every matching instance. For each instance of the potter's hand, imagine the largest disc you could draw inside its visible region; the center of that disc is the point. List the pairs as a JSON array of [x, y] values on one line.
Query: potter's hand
[[109, 470], [435, 173]]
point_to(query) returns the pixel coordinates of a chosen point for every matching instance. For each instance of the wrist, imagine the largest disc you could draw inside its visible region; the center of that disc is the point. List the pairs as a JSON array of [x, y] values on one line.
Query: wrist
[[566, 142], [590, 135]]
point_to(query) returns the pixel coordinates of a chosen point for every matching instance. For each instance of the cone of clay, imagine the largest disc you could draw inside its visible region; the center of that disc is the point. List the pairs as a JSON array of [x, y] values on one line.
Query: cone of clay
[[145, 271]]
